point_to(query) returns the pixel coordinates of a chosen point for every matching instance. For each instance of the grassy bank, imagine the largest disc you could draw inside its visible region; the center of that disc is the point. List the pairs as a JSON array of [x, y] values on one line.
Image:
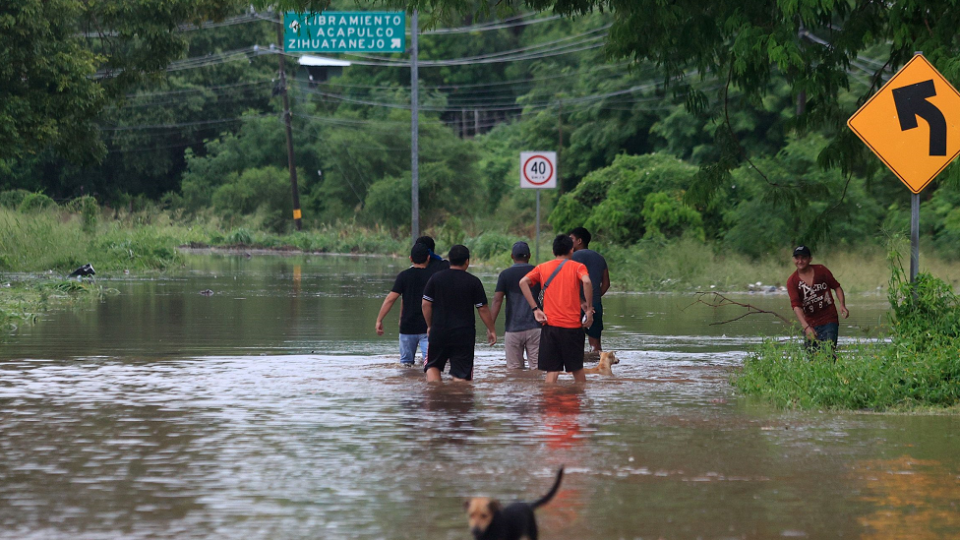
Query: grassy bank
[[919, 367], [63, 238]]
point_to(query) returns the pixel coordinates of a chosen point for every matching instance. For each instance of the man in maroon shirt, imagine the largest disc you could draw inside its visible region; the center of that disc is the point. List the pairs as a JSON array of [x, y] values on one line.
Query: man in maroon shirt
[[809, 289]]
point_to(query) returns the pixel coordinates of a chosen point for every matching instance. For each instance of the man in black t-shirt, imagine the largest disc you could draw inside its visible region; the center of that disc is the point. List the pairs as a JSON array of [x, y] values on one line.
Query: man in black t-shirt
[[522, 329], [409, 285], [448, 303]]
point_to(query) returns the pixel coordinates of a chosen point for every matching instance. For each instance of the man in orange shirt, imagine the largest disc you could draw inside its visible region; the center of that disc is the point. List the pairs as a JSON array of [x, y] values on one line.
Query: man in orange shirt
[[562, 336]]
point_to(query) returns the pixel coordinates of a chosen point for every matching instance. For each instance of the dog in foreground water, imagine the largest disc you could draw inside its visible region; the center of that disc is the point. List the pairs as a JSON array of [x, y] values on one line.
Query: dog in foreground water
[[607, 359], [491, 521]]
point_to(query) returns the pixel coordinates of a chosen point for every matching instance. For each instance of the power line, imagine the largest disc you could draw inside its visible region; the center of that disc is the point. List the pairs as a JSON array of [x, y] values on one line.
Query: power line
[[480, 59], [182, 124]]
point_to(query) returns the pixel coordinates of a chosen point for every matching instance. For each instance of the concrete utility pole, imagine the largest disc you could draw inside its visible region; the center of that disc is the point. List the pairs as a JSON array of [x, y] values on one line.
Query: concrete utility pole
[[297, 215], [414, 130]]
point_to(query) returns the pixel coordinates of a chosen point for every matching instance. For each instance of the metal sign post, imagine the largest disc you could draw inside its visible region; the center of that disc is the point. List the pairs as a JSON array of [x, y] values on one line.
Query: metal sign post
[[538, 170], [888, 123], [914, 236], [414, 130], [537, 248]]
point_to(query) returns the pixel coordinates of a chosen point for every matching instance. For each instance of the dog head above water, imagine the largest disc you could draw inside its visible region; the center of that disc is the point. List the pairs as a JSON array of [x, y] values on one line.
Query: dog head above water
[[480, 512], [607, 359], [610, 358]]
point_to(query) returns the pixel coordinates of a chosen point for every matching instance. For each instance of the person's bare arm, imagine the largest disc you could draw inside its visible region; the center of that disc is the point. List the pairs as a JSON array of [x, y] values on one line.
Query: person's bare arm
[[841, 300], [588, 300], [539, 315], [487, 319], [384, 309], [497, 303], [427, 307], [807, 329], [605, 282]]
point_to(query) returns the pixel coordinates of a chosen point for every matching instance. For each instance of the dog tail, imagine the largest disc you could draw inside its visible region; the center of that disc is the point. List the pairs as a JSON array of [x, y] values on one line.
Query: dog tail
[[553, 491]]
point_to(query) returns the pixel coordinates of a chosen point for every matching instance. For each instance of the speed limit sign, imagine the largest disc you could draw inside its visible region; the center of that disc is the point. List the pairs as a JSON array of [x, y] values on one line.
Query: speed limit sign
[[538, 170]]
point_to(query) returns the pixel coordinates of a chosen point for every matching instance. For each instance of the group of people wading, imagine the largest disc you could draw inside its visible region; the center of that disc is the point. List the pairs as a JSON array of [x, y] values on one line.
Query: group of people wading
[[551, 308]]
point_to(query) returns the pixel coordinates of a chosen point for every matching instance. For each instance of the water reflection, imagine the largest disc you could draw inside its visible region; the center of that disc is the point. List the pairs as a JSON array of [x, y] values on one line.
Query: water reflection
[[913, 498]]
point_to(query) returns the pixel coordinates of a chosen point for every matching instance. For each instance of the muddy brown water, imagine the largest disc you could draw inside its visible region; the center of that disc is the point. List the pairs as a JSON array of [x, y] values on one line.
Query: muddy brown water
[[271, 410]]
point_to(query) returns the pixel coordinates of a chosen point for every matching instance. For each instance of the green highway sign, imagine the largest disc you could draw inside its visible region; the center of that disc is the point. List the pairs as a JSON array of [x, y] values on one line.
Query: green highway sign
[[345, 31]]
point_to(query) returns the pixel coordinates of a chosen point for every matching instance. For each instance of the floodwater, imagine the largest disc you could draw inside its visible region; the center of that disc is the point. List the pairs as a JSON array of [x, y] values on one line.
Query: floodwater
[[272, 410]]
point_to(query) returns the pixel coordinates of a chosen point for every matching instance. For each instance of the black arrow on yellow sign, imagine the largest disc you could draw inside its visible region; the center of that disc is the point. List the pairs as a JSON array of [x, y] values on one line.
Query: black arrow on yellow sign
[[911, 102]]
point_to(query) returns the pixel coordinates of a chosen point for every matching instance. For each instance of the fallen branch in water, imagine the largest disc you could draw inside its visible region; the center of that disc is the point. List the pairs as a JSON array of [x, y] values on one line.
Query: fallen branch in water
[[718, 301]]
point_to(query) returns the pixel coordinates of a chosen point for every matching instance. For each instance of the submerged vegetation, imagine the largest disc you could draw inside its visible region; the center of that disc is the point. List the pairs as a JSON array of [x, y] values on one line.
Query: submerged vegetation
[[918, 366], [22, 302]]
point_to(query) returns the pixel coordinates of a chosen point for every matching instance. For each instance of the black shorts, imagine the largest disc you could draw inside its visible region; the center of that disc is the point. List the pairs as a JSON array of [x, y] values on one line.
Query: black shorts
[[561, 349], [597, 327], [457, 347]]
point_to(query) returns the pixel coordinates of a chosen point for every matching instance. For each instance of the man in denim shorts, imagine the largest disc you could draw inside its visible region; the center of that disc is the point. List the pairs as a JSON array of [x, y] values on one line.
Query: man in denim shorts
[[409, 285]]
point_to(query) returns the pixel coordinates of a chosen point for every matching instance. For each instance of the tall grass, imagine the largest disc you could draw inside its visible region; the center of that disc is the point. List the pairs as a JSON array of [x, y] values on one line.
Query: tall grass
[[61, 241], [918, 367]]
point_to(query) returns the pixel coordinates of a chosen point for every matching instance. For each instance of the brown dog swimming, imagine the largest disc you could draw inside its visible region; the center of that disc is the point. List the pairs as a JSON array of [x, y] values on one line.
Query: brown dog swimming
[[607, 359], [489, 521]]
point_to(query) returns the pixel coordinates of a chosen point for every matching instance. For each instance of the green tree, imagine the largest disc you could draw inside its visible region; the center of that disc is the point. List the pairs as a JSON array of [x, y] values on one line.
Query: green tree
[[63, 59], [615, 202]]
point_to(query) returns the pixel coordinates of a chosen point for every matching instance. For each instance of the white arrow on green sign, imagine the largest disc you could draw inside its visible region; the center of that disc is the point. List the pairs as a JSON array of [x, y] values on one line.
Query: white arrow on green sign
[[345, 31]]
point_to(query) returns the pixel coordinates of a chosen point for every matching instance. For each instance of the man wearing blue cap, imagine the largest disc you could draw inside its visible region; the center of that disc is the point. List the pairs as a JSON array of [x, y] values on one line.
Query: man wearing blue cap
[[522, 329]]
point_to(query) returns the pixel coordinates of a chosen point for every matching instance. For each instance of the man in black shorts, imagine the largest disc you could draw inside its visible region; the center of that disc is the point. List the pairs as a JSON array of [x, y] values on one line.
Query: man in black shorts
[[599, 276], [448, 303], [562, 336]]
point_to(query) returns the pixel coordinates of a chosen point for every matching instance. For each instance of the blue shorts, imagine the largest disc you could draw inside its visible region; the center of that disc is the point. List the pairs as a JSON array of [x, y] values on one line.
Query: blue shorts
[[829, 332], [408, 347]]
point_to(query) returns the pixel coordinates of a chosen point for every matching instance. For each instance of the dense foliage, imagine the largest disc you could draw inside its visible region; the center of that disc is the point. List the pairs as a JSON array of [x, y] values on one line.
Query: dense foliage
[[734, 139]]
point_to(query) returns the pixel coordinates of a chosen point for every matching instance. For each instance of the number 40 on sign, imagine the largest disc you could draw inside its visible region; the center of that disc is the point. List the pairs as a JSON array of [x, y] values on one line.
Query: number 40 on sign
[[538, 170]]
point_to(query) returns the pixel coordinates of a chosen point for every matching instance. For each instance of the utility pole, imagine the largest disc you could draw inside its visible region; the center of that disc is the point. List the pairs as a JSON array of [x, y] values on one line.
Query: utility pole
[[414, 130], [559, 146], [297, 214]]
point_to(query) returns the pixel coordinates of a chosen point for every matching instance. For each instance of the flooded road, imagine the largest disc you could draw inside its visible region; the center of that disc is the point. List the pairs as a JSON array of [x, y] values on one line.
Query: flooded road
[[271, 410]]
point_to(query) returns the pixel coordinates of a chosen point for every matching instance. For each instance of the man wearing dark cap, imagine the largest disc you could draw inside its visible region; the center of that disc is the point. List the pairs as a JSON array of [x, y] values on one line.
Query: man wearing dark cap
[[449, 300], [809, 289], [522, 329], [409, 285]]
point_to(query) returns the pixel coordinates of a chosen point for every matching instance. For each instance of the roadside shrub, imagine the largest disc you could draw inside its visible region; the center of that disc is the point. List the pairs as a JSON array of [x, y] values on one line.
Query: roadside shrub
[[493, 246], [239, 236], [12, 198], [610, 201], [89, 211], [265, 191], [34, 202]]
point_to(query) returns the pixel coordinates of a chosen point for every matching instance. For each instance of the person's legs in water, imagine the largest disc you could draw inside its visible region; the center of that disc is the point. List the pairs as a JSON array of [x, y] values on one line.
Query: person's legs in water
[[408, 348], [424, 346]]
